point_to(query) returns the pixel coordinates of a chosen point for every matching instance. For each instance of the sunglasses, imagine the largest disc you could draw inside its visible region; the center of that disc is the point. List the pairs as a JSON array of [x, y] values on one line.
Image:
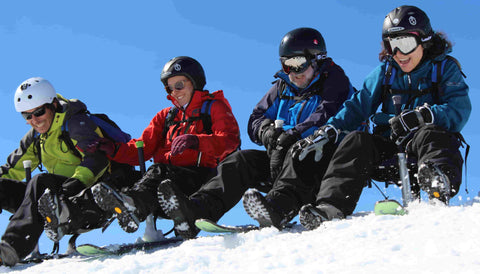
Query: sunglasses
[[177, 86], [37, 113], [297, 64], [405, 44]]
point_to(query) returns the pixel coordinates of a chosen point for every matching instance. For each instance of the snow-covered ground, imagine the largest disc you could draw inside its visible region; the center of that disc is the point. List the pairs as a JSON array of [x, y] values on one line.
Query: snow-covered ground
[[430, 239]]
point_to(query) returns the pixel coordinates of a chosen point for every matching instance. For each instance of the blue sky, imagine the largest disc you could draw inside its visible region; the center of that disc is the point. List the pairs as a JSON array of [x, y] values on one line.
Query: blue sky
[[110, 54]]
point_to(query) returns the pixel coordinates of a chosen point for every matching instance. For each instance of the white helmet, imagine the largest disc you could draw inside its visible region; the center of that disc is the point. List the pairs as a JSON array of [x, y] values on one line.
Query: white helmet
[[33, 93]]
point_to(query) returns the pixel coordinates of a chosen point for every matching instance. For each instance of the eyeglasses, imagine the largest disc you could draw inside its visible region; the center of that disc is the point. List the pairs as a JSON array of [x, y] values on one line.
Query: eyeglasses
[[405, 44], [37, 113], [297, 64], [177, 86]]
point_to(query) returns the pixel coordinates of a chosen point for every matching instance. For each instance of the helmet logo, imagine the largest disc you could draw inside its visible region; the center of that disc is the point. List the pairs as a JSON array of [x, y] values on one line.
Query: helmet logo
[[396, 21], [315, 41], [412, 20], [25, 86], [177, 67]]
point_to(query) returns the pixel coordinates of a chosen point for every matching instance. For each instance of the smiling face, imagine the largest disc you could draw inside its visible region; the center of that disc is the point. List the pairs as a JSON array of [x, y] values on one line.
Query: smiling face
[[41, 123], [410, 61], [183, 95]]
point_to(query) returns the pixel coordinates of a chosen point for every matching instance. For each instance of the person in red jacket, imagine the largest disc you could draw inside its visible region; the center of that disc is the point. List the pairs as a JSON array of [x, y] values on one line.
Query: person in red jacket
[[185, 142]]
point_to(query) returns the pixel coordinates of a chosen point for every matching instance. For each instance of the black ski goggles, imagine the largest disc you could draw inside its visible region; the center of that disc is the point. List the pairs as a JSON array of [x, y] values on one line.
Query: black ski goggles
[[37, 113], [406, 44], [297, 64], [177, 86]]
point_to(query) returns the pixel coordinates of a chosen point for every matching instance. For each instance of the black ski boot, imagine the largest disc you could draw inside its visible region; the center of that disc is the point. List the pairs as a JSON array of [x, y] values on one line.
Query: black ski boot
[[55, 213], [117, 203], [8, 255], [435, 182], [312, 217], [179, 208], [259, 208]]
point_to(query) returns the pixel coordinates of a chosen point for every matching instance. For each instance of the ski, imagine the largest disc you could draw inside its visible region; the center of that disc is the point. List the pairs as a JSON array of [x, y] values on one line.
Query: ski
[[98, 251], [212, 227], [43, 257], [389, 207]]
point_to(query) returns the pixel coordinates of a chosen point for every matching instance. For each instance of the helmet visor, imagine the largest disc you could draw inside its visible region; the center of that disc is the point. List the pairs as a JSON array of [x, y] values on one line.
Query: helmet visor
[[297, 64], [406, 44]]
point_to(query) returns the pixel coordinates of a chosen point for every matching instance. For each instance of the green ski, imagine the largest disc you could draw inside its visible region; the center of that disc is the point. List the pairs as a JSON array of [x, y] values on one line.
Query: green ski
[[389, 207], [212, 227]]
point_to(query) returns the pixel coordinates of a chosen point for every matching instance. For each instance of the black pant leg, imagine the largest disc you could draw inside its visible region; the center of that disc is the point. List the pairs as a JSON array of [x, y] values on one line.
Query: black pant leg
[[238, 172], [11, 194], [26, 225], [435, 145]]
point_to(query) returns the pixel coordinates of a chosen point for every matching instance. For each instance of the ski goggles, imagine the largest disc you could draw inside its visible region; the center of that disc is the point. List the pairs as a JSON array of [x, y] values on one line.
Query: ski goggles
[[177, 86], [37, 113], [406, 44], [297, 64]]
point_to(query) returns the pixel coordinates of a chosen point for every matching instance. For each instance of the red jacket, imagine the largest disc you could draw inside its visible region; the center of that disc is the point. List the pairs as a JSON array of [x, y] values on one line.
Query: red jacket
[[212, 148]]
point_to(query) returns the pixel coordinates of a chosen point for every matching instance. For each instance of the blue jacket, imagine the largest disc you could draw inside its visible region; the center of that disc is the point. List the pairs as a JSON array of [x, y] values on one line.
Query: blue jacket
[[328, 90], [451, 111]]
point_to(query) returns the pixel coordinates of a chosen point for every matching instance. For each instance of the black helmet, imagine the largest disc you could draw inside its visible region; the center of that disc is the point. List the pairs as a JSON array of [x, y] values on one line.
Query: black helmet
[[186, 66], [302, 41], [407, 19]]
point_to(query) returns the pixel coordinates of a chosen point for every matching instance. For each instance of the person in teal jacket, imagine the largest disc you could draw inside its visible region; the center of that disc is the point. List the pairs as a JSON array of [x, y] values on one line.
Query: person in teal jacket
[[435, 107]]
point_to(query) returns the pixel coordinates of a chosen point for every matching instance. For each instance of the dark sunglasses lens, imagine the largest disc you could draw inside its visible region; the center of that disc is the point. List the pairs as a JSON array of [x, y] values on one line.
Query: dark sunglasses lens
[[297, 64], [39, 112], [179, 85]]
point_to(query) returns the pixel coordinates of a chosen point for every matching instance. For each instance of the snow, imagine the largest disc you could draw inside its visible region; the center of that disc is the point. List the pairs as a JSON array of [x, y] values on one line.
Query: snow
[[430, 239]]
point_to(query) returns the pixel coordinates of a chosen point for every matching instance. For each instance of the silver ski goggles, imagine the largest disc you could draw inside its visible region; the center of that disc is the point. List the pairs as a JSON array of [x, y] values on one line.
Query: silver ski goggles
[[297, 64], [406, 44]]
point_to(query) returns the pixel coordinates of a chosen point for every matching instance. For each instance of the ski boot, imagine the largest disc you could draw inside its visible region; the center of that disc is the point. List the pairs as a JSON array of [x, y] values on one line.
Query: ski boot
[[55, 213], [259, 208], [8, 255], [119, 204], [312, 217], [179, 208], [434, 181]]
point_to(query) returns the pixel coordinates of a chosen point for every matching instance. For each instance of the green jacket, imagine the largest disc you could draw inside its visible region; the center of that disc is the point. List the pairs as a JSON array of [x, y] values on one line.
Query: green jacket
[[55, 154]]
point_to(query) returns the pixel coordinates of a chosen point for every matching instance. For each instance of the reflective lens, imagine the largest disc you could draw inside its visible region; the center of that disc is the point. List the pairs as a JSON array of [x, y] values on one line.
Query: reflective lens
[[405, 44], [297, 64], [37, 113], [177, 86]]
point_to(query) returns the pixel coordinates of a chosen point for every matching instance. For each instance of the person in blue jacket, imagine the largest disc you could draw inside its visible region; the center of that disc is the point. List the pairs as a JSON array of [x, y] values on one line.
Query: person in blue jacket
[[436, 106], [310, 89]]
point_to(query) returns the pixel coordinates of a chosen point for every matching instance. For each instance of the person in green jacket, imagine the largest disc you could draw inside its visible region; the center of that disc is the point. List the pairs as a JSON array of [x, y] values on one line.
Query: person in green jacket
[[55, 201]]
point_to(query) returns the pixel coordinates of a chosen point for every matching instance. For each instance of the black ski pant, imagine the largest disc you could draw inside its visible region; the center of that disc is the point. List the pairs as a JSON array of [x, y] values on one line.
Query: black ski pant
[[11, 194], [361, 157], [246, 169], [26, 224], [144, 192]]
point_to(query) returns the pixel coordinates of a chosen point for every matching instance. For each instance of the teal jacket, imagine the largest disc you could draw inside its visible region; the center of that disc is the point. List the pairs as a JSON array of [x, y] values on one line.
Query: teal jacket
[[451, 110]]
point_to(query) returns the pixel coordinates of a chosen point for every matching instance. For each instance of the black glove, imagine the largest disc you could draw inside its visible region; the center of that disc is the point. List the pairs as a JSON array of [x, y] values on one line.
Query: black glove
[[410, 120], [72, 187], [315, 142], [268, 134], [284, 142]]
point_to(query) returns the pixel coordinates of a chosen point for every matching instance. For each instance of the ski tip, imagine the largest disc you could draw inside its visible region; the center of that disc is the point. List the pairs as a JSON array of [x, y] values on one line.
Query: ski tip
[[389, 207]]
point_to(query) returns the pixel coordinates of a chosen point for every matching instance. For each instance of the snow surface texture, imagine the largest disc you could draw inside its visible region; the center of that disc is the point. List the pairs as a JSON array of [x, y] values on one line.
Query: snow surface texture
[[430, 239]]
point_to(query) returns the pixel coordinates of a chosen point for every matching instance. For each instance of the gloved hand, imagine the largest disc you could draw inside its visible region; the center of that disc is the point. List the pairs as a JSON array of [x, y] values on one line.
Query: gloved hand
[[182, 142], [284, 142], [72, 187], [315, 142], [410, 120], [268, 134], [103, 144]]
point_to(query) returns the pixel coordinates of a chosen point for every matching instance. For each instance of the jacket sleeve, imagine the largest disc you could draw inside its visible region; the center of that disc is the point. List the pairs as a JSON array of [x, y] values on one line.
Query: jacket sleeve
[[83, 132], [13, 169], [455, 106], [267, 108], [362, 104], [225, 137], [152, 137]]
